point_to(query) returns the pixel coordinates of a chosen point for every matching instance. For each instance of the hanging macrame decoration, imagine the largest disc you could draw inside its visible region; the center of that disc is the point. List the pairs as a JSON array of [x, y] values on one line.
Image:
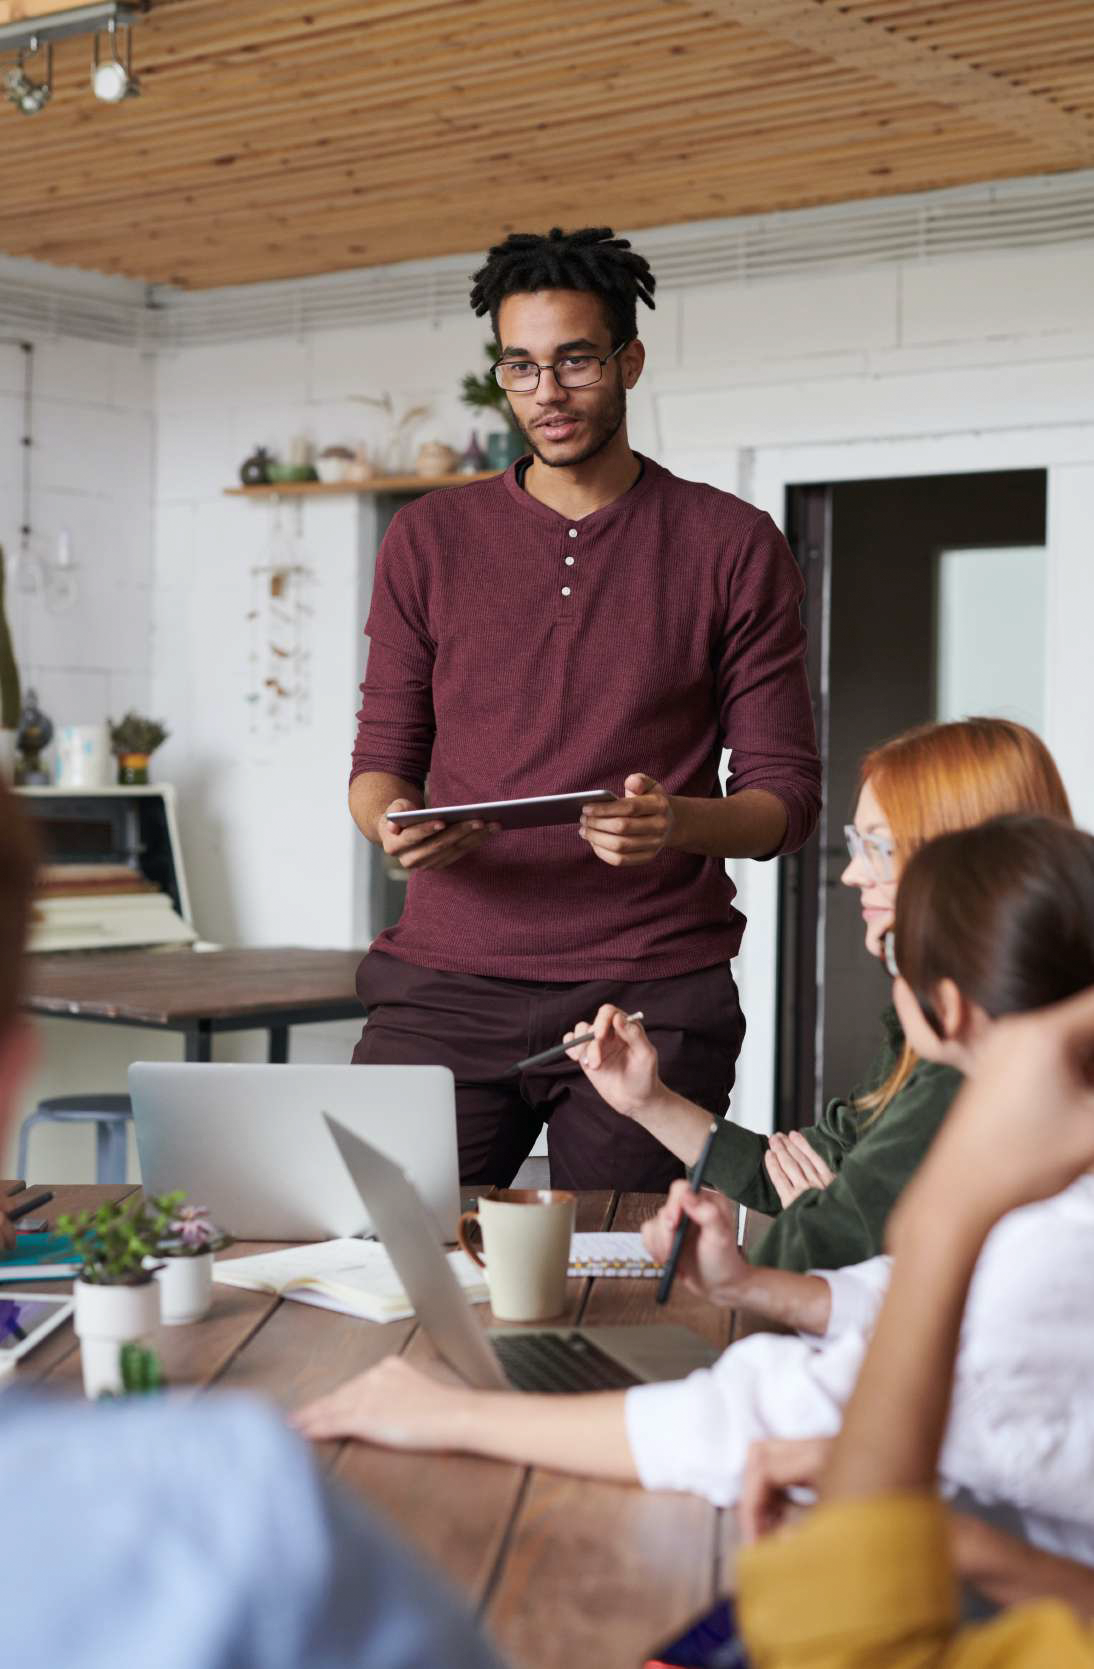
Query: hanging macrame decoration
[[279, 658]]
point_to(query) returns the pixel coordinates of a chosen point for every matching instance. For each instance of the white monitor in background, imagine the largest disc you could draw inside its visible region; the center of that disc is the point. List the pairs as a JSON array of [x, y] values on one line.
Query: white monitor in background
[[252, 1144]]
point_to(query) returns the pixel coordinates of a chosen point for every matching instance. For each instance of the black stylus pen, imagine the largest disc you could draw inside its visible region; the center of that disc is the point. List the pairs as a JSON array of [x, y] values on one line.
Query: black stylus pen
[[695, 1182], [27, 1206], [557, 1050]]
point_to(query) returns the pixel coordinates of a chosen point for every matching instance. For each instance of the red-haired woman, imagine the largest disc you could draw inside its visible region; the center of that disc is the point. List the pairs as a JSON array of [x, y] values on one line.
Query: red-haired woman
[[834, 1184]]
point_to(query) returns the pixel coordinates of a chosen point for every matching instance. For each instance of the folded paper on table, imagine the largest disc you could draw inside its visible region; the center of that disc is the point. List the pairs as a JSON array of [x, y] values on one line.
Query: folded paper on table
[[610, 1254], [40, 1257], [355, 1277]]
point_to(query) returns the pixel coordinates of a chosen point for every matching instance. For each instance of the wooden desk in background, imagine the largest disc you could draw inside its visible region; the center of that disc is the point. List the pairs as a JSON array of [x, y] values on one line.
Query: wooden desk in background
[[566, 1573], [199, 993]]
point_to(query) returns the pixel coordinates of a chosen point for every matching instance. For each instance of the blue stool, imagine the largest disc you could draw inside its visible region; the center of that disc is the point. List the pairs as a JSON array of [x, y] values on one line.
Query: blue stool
[[111, 1116]]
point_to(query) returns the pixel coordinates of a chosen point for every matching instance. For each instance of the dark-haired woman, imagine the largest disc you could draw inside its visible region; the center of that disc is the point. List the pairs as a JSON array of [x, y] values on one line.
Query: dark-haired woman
[[585, 620], [997, 919]]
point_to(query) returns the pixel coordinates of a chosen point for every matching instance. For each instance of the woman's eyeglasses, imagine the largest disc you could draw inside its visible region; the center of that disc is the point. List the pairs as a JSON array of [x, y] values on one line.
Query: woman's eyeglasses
[[876, 851]]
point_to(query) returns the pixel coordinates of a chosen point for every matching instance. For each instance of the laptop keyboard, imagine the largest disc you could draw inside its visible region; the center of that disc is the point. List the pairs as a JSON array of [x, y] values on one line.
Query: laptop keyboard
[[559, 1362]]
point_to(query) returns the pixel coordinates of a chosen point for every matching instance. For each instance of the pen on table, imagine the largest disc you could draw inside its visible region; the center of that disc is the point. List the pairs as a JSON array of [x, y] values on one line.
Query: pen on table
[[15, 1188], [559, 1049], [695, 1182], [27, 1206]]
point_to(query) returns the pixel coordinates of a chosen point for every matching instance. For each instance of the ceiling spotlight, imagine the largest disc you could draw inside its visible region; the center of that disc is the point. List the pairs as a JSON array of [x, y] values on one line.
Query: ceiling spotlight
[[27, 95], [111, 80]]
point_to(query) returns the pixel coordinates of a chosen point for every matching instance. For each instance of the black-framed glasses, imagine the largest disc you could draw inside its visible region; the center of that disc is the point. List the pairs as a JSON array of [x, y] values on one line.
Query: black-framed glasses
[[521, 376]]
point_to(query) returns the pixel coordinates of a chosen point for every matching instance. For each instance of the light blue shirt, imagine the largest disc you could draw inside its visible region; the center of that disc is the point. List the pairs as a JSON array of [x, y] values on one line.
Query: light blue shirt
[[200, 1536]]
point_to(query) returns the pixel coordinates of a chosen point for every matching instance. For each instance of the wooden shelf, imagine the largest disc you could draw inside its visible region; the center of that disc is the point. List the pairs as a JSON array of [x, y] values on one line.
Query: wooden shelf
[[379, 484]]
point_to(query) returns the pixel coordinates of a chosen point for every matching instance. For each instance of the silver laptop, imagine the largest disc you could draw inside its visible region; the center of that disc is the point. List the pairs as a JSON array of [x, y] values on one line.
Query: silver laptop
[[518, 1358], [252, 1144]]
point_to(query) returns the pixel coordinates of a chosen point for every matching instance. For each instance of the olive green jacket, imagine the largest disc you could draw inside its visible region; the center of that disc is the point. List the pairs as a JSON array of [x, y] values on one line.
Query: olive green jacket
[[826, 1228]]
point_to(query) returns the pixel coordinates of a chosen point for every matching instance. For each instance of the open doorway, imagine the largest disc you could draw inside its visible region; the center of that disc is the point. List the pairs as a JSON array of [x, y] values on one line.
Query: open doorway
[[925, 599]]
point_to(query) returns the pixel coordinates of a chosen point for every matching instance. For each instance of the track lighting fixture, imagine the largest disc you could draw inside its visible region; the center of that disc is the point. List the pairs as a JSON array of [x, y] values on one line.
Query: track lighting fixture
[[111, 80], [27, 95]]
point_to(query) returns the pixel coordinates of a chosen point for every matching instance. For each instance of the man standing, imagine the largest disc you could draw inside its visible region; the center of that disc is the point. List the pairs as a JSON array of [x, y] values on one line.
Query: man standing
[[585, 620]]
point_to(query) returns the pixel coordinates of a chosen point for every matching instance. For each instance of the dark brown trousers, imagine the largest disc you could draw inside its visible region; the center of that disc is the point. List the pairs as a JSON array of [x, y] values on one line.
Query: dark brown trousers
[[478, 1027]]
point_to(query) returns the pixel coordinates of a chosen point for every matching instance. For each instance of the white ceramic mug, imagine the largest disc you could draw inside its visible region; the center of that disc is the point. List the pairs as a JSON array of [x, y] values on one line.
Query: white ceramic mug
[[84, 759], [526, 1234]]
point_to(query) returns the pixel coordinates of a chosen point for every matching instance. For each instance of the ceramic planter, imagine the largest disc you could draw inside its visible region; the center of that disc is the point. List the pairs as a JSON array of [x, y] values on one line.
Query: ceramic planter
[[132, 769], [105, 1318], [186, 1288]]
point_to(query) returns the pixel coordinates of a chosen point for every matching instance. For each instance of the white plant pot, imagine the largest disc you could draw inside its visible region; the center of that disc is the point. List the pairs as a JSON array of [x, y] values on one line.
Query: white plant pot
[[7, 756], [186, 1288], [331, 471], [105, 1318]]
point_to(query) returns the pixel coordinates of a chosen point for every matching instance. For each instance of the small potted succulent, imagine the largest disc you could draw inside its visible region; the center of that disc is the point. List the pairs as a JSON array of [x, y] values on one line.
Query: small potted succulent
[[185, 1241], [116, 1297], [134, 739]]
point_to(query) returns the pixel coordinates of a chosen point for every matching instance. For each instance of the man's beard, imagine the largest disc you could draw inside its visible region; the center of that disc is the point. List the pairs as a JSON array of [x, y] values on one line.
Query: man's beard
[[603, 427]]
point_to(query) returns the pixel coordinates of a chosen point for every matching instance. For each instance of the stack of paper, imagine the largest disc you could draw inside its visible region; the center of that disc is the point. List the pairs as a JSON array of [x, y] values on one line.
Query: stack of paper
[[355, 1277]]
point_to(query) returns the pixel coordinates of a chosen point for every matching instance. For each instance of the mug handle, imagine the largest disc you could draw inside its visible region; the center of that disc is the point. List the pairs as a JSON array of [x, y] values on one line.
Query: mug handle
[[464, 1237]]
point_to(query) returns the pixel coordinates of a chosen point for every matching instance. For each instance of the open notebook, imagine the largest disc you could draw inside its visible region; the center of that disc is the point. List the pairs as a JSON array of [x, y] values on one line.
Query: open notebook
[[614, 1252], [354, 1276]]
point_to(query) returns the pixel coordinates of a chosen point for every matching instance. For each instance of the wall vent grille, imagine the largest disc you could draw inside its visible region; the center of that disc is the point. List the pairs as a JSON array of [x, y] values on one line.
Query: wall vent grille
[[1015, 214]]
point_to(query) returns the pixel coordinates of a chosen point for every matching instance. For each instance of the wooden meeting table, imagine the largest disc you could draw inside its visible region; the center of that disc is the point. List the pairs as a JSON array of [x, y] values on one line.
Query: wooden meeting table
[[199, 993], [563, 1572]]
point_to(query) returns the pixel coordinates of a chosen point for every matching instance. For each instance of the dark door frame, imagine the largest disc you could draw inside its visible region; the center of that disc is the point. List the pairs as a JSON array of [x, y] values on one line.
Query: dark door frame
[[800, 1004]]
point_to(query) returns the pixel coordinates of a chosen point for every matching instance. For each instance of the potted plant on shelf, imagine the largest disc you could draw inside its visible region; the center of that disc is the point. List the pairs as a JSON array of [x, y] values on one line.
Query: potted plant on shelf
[[482, 393], [116, 1297], [185, 1240], [134, 739], [10, 700]]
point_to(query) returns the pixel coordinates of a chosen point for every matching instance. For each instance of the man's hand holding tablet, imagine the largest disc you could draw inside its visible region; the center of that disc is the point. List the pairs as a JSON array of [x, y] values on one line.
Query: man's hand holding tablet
[[634, 829], [433, 844], [432, 837]]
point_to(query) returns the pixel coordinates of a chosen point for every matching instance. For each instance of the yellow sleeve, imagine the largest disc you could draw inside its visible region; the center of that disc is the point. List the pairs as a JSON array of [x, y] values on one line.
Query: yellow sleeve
[[870, 1585]]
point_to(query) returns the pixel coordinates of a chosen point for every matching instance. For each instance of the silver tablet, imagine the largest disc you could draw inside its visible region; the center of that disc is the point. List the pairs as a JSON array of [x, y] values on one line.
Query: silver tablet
[[536, 813]]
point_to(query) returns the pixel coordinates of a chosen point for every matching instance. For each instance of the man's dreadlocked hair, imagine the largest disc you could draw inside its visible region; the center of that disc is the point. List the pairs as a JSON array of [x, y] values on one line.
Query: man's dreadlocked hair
[[592, 259]]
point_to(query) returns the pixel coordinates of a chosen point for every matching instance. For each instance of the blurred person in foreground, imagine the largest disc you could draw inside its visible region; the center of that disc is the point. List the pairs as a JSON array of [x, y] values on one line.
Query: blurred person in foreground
[[191, 1535], [871, 1573]]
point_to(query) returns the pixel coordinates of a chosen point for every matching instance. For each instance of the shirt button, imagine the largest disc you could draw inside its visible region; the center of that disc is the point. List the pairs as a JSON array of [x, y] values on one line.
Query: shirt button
[[565, 590], [573, 533], [569, 562]]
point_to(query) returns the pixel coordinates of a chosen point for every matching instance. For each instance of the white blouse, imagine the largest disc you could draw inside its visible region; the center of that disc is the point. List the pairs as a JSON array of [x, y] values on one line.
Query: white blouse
[[1021, 1426]]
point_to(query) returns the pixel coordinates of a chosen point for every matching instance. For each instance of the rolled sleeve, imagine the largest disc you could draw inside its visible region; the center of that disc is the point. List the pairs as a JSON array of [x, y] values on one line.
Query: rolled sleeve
[[856, 1294], [695, 1433], [765, 706]]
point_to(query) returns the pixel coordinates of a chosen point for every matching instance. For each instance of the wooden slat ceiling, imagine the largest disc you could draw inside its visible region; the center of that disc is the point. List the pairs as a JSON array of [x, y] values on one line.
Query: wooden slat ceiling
[[272, 141]]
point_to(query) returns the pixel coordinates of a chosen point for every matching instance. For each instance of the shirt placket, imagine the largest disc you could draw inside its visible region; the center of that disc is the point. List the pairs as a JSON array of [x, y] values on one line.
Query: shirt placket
[[569, 578]]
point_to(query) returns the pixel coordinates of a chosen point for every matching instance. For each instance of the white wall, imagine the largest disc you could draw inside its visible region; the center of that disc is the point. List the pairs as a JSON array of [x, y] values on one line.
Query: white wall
[[976, 362], [93, 472]]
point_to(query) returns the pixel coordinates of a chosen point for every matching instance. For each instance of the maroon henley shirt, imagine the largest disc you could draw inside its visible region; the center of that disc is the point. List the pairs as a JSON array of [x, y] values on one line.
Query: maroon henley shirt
[[516, 652]]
